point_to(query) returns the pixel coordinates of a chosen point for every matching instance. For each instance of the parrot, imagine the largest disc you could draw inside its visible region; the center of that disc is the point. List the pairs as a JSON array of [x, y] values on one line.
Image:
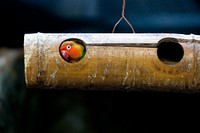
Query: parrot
[[72, 50]]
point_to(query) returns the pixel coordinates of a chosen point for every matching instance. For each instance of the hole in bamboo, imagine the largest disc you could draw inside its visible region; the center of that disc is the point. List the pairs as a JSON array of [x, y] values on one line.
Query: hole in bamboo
[[170, 51], [72, 50]]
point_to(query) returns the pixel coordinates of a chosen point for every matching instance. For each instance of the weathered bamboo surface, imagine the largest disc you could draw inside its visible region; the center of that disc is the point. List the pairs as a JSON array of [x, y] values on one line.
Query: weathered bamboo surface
[[115, 62]]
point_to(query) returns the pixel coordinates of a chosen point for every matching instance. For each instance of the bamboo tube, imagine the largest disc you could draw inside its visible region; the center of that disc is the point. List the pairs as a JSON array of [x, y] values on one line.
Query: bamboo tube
[[159, 62]]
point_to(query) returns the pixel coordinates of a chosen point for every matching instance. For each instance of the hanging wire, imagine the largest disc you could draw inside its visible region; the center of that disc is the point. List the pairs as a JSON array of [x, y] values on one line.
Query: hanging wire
[[123, 17]]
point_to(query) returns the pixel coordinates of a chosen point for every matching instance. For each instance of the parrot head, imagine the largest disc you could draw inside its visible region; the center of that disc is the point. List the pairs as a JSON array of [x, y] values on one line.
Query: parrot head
[[72, 50]]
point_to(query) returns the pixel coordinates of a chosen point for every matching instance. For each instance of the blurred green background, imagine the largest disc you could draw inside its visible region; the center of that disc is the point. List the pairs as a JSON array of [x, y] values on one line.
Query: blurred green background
[[75, 111]]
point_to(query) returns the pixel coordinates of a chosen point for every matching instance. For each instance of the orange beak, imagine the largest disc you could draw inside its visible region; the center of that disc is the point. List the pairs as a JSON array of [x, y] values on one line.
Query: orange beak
[[65, 55]]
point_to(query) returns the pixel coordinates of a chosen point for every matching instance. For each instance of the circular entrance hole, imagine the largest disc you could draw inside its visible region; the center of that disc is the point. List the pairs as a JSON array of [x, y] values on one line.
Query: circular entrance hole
[[72, 50], [170, 51]]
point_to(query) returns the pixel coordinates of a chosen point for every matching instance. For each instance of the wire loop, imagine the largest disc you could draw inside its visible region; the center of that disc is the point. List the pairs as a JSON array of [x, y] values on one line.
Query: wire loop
[[123, 17]]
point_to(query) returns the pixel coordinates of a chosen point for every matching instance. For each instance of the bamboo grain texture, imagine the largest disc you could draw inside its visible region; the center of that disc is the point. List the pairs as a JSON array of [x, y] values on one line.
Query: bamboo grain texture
[[112, 62]]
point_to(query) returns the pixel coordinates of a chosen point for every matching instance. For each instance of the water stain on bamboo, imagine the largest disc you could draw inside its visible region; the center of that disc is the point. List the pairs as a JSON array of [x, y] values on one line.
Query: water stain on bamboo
[[109, 66]]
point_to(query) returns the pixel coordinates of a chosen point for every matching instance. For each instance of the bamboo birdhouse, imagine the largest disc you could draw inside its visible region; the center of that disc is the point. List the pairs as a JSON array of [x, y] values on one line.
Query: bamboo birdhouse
[[160, 62]]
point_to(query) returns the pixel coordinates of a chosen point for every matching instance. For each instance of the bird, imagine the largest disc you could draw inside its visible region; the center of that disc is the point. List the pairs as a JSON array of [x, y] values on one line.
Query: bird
[[72, 50]]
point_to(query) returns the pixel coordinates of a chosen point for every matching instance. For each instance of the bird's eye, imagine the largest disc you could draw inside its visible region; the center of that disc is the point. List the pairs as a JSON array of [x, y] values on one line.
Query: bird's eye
[[68, 47]]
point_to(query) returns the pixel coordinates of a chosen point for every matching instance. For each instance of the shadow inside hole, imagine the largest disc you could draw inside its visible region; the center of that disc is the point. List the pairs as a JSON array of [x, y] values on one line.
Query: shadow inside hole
[[72, 50], [169, 51]]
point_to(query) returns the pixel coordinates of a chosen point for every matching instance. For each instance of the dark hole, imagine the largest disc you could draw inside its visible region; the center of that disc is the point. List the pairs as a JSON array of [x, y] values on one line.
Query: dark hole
[[170, 52]]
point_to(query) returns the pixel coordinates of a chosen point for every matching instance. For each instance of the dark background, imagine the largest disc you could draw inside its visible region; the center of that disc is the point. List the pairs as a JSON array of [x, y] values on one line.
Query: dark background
[[74, 111]]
